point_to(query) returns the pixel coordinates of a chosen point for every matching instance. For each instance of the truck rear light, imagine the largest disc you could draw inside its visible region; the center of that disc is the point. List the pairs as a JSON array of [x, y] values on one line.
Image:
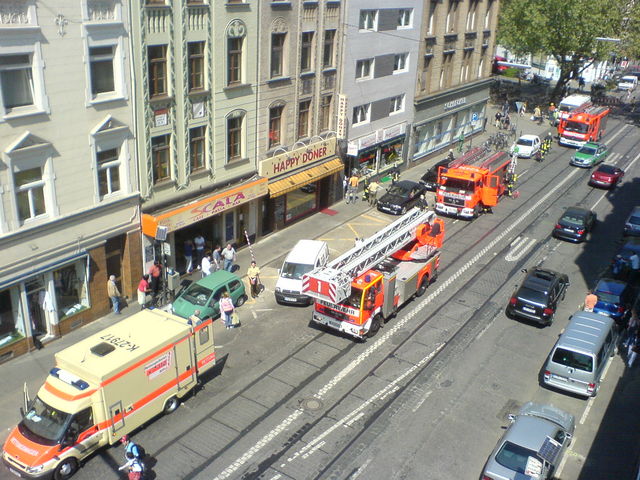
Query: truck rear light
[[547, 374], [591, 388], [513, 301], [581, 231], [547, 312], [620, 309]]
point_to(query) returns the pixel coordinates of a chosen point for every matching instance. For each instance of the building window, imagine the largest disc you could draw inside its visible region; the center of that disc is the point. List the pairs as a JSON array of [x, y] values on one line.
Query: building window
[[234, 59], [196, 148], [361, 114], [364, 69], [108, 162], [11, 321], [160, 151], [325, 112], [405, 16], [446, 71], [306, 51], [471, 16], [71, 289], [368, 20], [400, 63], [234, 137], [327, 51], [30, 193], [196, 66], [157, 70], [452, 14], [277, 54], [17, 81], [431, 18], [101, 69], [487, 16], [275, 125], [304, 110], [397, 104]]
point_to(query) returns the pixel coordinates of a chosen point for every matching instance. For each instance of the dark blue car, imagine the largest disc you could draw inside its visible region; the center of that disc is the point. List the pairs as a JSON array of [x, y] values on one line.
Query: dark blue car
[[614, 298]]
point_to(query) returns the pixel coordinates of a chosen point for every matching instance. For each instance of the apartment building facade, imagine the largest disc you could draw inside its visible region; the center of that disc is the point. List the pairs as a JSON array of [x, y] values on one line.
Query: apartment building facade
[[296, 133], [69, 203], [453, 79], [378, 80], [197, 93]]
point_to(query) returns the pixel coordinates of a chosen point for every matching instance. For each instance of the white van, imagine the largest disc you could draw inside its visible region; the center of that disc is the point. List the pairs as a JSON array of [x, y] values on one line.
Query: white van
[[305, 256], [571, 103], [628, 82]]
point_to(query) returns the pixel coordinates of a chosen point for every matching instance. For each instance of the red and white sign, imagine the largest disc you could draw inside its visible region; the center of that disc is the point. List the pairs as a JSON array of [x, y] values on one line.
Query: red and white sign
[[301, 157], [158, 366]]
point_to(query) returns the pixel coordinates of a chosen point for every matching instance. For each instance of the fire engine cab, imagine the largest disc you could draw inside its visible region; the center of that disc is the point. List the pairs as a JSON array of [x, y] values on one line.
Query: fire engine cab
[[358, 291], [465, 190], [587, 125]]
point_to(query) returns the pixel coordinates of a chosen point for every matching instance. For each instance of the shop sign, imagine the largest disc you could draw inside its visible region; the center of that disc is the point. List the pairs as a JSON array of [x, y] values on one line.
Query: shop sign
[[341, 124], [161, 117], [393, 132], [367, 141], [455, 103], [213, 205], [352, 149], [301, 157]]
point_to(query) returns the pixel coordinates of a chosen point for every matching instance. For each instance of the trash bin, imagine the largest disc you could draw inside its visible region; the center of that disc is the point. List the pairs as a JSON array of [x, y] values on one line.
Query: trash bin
[[173, 281]]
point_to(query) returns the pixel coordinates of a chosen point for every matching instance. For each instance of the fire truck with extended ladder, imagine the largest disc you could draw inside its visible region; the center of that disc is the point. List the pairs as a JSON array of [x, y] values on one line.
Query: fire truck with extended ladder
[[358, 291], [586, 125], [465, 190]]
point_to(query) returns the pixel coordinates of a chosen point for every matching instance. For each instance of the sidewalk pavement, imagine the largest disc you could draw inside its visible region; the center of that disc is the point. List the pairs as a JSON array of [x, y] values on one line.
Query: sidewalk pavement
[[32, 368]]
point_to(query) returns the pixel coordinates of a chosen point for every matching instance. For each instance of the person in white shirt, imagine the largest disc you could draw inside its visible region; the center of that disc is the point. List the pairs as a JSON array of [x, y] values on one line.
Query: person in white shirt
[[199, 243], [206, 265]]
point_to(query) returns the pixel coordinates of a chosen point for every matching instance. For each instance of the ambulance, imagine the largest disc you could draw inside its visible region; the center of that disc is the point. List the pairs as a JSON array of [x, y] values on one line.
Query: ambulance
[[106, 386]]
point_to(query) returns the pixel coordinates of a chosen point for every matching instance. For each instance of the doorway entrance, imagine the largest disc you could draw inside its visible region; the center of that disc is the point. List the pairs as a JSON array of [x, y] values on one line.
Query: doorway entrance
[[37, 299]]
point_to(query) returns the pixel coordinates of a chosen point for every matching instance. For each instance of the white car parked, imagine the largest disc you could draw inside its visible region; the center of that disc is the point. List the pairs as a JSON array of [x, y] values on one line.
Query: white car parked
[[526, 146], [628, 82]]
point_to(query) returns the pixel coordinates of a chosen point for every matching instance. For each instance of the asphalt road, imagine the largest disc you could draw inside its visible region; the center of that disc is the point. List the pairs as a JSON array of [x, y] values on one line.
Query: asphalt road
[[427, 397]]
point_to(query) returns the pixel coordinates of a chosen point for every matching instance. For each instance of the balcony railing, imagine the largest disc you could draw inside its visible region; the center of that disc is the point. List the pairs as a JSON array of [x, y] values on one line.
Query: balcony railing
[[157, 19]]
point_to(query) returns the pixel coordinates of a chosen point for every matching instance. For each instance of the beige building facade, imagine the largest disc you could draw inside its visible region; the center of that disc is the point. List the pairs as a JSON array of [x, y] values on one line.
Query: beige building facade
[[69, 201]]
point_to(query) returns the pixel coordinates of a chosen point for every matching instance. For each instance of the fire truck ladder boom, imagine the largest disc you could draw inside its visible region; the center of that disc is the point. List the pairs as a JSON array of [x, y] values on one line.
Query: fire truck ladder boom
[[340, 272]]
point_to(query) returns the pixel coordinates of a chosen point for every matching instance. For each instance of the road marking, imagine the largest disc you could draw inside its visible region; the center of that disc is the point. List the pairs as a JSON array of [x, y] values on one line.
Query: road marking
[[587, 409], [389, 333], [422, 400], [519, 248], [359, 471], [255, 315], [375, 219], [568, 453]]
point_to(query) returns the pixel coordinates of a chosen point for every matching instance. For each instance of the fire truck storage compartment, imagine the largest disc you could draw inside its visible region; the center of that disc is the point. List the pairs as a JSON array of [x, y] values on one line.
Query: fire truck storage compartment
[[389, 285], [408, 280]]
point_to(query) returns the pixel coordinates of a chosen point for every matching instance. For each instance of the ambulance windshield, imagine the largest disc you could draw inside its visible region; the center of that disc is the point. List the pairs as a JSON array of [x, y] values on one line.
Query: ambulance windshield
[[45, 421]]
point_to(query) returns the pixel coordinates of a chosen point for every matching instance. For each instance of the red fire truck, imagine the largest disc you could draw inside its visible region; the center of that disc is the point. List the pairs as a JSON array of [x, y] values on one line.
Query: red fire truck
[[465, 190], [358, 291], [587, 125]]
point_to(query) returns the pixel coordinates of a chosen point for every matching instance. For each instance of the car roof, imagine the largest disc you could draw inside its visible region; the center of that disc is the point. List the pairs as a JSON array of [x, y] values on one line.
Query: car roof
[[594, 144], [610, 285], [583, 332], [606, 167], [407, 184], [539, 279], [530, 432], [529, 137], [216, 278], [576, 210]]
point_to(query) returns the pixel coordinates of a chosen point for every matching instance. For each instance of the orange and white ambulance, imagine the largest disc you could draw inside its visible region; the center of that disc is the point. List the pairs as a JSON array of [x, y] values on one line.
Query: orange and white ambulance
[[106, 386]]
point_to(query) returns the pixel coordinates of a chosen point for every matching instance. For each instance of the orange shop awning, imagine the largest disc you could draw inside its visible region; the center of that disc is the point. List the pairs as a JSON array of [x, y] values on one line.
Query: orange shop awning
[[309, 175]]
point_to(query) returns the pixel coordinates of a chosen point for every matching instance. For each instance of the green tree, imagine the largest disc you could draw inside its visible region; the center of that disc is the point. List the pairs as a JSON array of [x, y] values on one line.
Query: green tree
[[565, 29]]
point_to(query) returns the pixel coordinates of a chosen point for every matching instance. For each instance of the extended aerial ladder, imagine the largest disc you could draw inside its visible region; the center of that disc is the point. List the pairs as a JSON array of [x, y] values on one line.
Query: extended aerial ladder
[[333, 282]]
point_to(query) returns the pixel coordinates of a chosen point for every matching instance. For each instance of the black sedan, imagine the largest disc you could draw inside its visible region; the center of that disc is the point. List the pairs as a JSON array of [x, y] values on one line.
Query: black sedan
[[430, 178], [400, 197], [538, 296], [574, 224]]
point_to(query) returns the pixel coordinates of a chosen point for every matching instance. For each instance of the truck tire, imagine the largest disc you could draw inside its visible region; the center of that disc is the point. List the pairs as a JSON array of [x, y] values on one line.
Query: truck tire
[[424, 283], [66, 469], [171, 405], [375, 326], [476, 211]]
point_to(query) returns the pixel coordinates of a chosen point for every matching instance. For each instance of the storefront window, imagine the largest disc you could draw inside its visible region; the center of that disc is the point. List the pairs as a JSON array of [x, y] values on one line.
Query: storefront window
[[11, 321], [301, 201], [367, 159], [71, 289], [391, 154]]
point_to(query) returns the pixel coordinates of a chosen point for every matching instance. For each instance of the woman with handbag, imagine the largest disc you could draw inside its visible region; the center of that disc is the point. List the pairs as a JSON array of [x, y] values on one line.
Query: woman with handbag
[[226, 309], [253, 273], [143, 290]]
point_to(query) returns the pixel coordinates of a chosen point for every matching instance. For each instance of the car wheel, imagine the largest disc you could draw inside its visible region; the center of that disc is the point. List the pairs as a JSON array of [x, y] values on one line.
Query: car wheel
[[241, 300], [375, 327], [423, 286], [66, 469], [171, 405], [403, 211]]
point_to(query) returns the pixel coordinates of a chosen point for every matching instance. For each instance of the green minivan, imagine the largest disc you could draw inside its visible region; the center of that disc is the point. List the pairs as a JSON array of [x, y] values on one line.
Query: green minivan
[[204, 295]]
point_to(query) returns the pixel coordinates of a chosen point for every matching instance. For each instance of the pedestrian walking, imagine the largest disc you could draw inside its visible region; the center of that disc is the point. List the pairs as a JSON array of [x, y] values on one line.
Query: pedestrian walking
[[633, 349], [154, 273], [523, 109], [226, 309], [114, 294], [450, 156], [581, 83], [423, 204], [216, 259], [199, 242], [205, 265], [352, 189], [590, 301], [373, 193], [144, 289], [619, 266], [632, 328], [345, 186], [253, 273], [188, 256], [498, 118], [395, 175], [537, 114], [228, 255], [134, 458], [634, 264]]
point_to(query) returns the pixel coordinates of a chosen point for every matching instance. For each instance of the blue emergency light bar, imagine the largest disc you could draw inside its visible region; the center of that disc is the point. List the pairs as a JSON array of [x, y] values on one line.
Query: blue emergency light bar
[[69, 378]]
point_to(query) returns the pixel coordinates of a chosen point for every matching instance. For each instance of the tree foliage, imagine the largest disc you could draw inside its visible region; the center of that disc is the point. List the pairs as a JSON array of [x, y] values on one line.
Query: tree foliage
[[564, 29]]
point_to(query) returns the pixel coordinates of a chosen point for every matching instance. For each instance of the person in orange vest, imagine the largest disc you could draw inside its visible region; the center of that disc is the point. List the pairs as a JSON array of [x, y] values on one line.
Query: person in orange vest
[[590, 301]]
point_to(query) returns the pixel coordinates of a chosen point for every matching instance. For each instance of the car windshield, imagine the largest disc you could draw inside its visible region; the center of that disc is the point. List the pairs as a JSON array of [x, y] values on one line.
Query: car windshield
[[607, 297], [576, 127], [295, 270], [525, 141], [197, 294], [354, 299], [588, 150], [515, 457], [399, 190], [530, 295], [572, 359], [607, 169], [458, 183], [572, 219], [45, 421]]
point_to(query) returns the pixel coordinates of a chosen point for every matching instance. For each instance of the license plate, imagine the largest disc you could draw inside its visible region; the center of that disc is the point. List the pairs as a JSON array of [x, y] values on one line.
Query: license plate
[[334, 324], [15, 472], [452, 210], [528, 310], [568, 230], [289, 299], [558, 377]]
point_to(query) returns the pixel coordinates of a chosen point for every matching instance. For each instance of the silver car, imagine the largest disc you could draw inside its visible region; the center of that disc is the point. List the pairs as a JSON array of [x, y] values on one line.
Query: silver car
[[533, 444], [632, 223]]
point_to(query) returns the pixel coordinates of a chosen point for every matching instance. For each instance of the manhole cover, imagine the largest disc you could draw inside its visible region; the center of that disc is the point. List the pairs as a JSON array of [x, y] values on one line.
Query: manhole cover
[[311, 404]]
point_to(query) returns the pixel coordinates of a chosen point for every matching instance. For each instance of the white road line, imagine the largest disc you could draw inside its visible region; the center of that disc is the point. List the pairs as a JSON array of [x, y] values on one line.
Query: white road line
[[587, 409], [520, 249], [389, 333], [359, 471]]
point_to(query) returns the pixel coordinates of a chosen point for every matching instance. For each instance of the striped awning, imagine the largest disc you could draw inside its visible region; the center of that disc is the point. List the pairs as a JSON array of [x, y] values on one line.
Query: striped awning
[[286, 185]]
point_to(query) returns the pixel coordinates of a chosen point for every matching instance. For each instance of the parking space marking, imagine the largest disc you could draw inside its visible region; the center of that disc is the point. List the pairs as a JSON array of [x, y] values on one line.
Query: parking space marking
[[519, 248]]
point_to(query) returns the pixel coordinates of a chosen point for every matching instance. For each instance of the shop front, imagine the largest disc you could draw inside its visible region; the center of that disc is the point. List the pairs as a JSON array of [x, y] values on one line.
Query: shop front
[[377, 152], [224, 217], [301, 182], [446, 120]]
